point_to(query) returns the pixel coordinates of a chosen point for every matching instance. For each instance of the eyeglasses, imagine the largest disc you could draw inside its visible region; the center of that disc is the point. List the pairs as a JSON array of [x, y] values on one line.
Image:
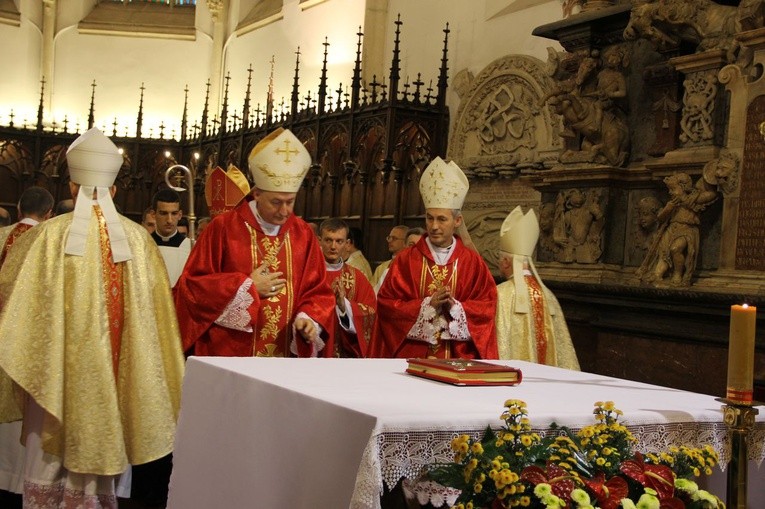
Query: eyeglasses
[[391, 237]]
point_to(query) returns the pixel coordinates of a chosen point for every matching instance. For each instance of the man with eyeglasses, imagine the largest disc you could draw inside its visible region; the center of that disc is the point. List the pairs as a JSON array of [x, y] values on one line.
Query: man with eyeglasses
[[439, 298], [396, 243]]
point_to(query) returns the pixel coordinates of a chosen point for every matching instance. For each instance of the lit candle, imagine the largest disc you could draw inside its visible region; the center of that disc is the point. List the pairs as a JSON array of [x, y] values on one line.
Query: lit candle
[[741, 354]]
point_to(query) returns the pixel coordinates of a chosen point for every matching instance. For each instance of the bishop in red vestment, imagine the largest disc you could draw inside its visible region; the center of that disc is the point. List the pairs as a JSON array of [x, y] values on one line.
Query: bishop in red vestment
[[439, 298], [254, 282], [355, 301]]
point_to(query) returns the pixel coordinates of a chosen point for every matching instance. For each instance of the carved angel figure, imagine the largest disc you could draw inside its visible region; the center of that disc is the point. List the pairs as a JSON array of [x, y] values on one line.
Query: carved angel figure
[[675, 249]]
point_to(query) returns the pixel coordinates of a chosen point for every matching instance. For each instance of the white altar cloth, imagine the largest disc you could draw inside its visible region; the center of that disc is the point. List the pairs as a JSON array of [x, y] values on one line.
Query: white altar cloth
[[277, 433]]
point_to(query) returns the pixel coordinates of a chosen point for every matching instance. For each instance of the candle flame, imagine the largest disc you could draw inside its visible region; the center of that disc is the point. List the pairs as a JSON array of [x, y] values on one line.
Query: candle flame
[[744, 305]]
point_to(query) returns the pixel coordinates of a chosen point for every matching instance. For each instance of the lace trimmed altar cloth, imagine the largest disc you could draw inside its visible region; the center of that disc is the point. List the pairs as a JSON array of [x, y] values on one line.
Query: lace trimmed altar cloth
[[307, 433]]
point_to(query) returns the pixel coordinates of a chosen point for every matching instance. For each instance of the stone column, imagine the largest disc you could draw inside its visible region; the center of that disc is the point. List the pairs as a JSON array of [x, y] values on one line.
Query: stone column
[[218, 11], [373, 58], [48, 34]]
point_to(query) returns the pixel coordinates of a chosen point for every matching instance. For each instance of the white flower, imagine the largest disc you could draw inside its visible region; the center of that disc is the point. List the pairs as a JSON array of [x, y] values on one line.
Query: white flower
[[686, 485], [580, 496], [705, 496], [648, 501], [543, 490]]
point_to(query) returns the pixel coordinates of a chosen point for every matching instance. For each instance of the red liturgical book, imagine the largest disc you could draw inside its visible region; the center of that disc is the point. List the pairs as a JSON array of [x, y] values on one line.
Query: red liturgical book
[[464, 371]]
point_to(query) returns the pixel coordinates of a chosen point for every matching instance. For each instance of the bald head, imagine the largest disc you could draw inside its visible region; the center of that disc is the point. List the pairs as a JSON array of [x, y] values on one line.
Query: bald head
[[5, 217]]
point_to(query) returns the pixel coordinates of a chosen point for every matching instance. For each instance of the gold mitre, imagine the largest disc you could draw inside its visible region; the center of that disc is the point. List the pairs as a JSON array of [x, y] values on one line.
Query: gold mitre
[[279, 162], [93, 159], [519, 232], [225, 189], [443, 185]]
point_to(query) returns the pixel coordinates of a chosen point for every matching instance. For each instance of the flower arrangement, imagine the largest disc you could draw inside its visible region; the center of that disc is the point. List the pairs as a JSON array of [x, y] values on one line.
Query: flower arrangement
[[594, 467]]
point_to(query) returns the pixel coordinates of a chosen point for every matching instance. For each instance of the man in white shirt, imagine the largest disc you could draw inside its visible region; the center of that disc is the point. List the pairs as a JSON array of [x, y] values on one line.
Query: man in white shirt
[[173, 245]]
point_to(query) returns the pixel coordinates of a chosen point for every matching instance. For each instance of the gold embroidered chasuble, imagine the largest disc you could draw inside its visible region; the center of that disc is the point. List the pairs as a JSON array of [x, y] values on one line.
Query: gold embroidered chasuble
[[8, 236], [537, 336], [276, 253], [58, 329]]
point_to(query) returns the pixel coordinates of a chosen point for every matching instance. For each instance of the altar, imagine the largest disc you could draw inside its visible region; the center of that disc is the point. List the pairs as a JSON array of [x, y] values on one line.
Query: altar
[[304, 433]]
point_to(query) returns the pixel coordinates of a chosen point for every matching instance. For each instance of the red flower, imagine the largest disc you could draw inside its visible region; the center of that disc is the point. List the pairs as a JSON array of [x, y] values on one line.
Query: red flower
[[672, 503], [561, 482], [609, 494], [659, 478]]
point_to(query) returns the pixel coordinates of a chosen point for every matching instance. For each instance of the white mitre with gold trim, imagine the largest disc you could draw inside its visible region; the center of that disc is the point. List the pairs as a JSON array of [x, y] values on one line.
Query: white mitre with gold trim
[[518, 237], [279, 162], [94, 162], [443, 185]]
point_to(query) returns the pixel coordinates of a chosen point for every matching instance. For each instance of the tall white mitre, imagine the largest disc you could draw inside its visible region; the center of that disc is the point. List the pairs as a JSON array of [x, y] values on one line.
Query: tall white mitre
[[443, 185], [94, 162], [518, 237], [279, 162]]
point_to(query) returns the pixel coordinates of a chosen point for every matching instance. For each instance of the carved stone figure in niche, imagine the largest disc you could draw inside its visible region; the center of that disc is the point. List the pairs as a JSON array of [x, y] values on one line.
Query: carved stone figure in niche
[[548, 248], [499, 125], [675, 249], [723, 172], [648, 222], [590, 109], [703, 23], [578, 227]]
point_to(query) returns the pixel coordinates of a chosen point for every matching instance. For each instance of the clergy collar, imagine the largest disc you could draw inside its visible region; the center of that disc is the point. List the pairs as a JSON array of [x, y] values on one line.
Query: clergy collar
[[268, 228], [29, 221], [441, 255], [334, 267], [167, 239]]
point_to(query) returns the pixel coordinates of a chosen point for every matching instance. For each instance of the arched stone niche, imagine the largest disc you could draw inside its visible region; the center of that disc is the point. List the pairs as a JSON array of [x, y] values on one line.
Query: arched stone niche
[[501, 124]]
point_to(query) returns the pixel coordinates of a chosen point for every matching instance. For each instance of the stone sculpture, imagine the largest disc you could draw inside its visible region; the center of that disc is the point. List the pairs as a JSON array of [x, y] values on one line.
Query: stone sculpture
[[590, 105], [674, 252], [578, 229]]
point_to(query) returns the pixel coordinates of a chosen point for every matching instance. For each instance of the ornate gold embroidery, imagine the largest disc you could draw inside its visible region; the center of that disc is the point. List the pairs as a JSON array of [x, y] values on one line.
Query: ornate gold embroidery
[[537, 308], [348, 280], [271, 248], [270, 329], [14, 235], [270, 351], [112, 281], [438, 274]]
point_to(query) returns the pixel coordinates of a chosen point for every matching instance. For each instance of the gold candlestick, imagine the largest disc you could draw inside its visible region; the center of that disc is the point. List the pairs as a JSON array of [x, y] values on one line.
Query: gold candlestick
[[738, 412]]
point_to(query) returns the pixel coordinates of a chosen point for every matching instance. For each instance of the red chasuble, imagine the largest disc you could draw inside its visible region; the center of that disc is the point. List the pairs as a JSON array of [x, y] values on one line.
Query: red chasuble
[[223, 259], [414, 275], [361, 295]]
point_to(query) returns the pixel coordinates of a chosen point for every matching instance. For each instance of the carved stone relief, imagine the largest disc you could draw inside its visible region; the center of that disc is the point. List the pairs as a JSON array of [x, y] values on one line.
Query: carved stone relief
[[698, 107], [499, 126], [675, 249], [703, 23], [644, 227], [578, 226], [487, 205], [591, 103]]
